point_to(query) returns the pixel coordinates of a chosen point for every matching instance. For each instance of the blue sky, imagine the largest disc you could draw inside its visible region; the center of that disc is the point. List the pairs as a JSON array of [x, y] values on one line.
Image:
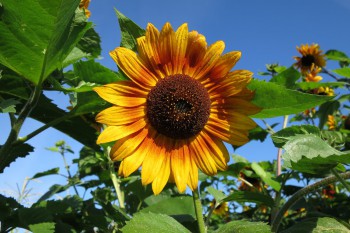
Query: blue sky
[[264, 31]]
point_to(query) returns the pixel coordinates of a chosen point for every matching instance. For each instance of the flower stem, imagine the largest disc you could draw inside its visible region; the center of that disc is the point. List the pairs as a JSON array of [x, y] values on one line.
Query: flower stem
[[114, 178], [199, 211], [302, 192], [279, 153], [336, 174]]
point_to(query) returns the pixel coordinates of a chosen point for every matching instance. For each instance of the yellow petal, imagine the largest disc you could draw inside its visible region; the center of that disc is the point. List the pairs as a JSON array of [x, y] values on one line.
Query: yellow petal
[[133, 67], [117, 115], [236, 104], [180, 166], [154, 160], [126, 146], [196, 49], [120, 97], [113, 133], [162, 177], [193, 177], [232, 136]]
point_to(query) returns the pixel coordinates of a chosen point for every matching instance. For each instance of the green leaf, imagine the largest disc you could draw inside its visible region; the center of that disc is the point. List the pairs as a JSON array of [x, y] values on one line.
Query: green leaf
[[130, 31], [46, 32], [217, 194], [318, 225], [46, 227], [90, 43], [248, 196], [275, 100], [93, 72], [287, 77], [309, 153], [155, 223], [34, 215], [89, 102], [313, 85], [56, 188], [281, 137], [173, 206], [337, 55], [345, 71], [327, 108], [17, 151], [244, 226], [8, 105], [75, 55], [266, 176], [52, 171]]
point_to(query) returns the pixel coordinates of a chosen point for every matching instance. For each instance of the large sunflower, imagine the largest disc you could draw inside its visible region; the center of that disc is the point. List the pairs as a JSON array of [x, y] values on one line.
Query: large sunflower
[[179, 106], [311, 55]]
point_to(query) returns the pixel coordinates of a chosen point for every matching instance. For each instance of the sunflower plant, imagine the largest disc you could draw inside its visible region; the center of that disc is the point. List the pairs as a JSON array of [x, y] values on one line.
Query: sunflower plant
[[157, 130]]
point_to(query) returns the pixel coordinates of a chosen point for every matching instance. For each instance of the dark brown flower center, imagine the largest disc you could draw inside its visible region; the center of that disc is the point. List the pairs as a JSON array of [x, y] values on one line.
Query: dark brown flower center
[[178, 106], [307, 60]]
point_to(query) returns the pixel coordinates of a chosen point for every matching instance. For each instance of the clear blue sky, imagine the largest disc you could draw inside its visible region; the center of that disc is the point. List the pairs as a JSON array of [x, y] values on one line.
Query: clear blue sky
[[265, 32]]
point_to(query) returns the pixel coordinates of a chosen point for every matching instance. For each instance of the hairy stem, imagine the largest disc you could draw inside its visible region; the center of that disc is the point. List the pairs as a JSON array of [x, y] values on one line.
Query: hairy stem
[[199, 211], [279, 153], [336, 174], [302, 192]]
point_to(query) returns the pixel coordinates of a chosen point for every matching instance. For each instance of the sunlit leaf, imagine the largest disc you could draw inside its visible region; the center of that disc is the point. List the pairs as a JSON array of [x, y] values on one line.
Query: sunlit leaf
[[276, 100], [309, 153], [46, 32], [314, 85], [130, 31], [345, 72], [155, 223], [217, 194], [52, 171], [318, 225], [281, 137], [287, 77], [266, 176], [244, 226]]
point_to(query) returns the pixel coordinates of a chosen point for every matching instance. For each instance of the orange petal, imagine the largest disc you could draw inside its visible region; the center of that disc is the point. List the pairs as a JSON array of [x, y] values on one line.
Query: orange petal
[[162, 177], [179, 58], [166, 48], [133, 67], [113, 133], [232, 119], [232, 136], [224, 64], [117, 115], [202, 156], [196, 49], [236, 104], [209, 60], [218, 151]]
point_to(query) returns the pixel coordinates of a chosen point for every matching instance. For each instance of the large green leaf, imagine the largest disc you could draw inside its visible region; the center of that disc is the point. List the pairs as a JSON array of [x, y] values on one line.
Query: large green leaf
[[327, 108], [52, 171], [217, 194], [287, 77], [155, 223], [130, 31], [314, 85], [318, 225], [244, 226], [276, 100], [309, 153], [17, 151], [37, 35], [281, 137], [173, 206], [45, 227]]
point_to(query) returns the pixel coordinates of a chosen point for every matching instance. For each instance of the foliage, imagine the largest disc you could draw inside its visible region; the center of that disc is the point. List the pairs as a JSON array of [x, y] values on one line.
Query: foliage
[[63, 46]]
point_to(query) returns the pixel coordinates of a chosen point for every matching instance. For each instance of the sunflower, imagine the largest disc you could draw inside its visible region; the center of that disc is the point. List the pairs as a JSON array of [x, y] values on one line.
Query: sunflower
[[180, 105], [221, 209], [331, 122], [311, 56], [84, 4], [313, 75], [324, 91]]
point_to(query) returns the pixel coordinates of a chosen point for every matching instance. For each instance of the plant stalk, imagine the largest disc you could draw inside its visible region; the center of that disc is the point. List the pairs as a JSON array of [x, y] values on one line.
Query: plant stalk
[[302, 192], [199, 211], [340, 179]]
